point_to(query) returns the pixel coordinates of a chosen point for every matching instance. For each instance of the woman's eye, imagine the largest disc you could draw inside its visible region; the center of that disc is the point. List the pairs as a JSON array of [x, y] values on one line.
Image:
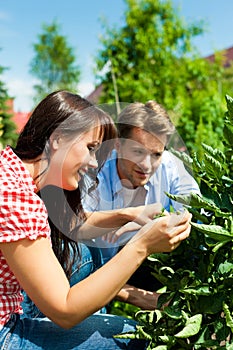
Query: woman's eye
[[93, 149]]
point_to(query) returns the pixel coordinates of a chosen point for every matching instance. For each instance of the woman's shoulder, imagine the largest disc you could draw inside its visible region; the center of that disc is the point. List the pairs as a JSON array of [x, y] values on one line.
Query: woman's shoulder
[[13, 174]]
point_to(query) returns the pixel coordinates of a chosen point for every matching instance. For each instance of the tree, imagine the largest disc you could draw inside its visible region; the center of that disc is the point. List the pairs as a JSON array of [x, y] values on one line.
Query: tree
[[225, 84], [54, 62], [152, 57], [7, 126]]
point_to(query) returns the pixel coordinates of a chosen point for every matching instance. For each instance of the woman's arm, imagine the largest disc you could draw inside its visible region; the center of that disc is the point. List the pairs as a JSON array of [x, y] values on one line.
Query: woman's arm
[[41, 276]]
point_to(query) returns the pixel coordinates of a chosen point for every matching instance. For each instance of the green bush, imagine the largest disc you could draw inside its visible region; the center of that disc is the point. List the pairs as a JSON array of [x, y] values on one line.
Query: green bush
[[197, 277]]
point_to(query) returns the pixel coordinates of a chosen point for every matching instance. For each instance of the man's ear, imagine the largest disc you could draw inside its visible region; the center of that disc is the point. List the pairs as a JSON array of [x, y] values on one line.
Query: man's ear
[[117, 144], [54, 141]]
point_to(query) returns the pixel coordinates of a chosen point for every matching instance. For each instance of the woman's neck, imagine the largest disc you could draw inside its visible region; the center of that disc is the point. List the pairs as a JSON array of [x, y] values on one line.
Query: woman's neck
[[37, 168]]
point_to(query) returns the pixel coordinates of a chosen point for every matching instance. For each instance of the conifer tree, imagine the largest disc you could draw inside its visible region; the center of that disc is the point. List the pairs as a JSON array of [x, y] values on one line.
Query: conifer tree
[[7, 126]]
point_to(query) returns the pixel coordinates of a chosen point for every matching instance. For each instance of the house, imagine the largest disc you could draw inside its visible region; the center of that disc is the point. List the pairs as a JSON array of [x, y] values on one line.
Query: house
[[19, 118], [95, 94], [227, 54]]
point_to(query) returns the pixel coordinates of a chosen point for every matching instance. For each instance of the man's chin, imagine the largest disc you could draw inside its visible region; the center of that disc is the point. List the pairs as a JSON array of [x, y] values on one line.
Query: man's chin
[[140, 183]]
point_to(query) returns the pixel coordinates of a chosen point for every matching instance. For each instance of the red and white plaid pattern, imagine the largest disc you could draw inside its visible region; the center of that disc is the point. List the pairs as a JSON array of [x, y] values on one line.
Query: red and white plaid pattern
[[22, 215]]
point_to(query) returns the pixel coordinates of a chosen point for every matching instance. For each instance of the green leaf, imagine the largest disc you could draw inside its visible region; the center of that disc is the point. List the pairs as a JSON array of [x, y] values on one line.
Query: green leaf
[[210, 304], [201, 202], [166, 338], [213, 167], [216, 232], [193, 200], [160, 347], [227, 179], [214, 152], [192, 327], [142, 334], [197, 216], [129, 335], [148, 317], [228, 132], [200, 290], [202, 339], [168, 271], [218, 246], [184, 157], [229, 319], [225, 267], [173, 312], [229, 101]]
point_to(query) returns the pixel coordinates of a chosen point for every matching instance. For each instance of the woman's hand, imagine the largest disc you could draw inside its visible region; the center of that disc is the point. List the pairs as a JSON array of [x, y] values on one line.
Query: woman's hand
[[163, 234]]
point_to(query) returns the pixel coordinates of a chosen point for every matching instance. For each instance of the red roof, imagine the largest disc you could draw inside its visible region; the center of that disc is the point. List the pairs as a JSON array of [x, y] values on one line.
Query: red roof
[[227, 54], [94, 96], [20, 119]]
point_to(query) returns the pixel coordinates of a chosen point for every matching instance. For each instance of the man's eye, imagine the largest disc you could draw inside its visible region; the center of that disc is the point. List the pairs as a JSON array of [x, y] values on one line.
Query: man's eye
[[138, 151], [156, 155]]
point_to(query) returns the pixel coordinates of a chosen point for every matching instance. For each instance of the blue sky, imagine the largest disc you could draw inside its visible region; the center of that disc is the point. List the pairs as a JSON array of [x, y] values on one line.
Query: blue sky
[[21, 22]]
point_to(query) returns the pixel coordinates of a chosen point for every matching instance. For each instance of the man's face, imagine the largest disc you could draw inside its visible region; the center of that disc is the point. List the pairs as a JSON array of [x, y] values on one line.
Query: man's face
[[139, 157]]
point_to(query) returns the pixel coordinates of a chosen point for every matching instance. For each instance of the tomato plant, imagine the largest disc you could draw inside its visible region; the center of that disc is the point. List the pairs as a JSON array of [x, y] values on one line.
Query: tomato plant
[[197, 277]]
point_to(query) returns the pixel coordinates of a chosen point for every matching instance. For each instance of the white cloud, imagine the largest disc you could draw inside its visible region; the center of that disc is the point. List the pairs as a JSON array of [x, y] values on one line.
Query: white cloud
[[22, 91], [85, 88]]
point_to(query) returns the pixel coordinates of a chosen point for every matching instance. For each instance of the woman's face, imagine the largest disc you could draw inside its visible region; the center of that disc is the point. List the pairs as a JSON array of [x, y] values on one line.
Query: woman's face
[[71, 159]]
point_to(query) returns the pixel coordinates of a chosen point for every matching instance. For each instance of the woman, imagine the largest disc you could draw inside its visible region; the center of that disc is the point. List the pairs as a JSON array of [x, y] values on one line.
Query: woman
[[45, 173]]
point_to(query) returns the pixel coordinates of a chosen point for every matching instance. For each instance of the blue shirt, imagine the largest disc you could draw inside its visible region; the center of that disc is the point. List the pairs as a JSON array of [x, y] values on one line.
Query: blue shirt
[[171, 176]]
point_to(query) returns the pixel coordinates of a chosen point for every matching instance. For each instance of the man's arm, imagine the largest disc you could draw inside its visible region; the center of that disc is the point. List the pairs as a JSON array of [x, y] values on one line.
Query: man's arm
[[99, 223], [141, 298]]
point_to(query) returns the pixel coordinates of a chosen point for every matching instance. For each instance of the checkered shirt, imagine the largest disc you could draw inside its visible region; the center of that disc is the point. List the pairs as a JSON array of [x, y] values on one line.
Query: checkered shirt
[[22, 215]]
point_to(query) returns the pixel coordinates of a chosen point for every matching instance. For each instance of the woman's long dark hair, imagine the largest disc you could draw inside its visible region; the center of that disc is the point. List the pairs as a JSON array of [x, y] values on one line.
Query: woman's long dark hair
[[68, 115]]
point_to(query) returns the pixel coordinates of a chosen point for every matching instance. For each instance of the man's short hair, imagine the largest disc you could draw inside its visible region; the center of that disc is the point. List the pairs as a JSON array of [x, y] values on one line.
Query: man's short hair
[[151, 117]]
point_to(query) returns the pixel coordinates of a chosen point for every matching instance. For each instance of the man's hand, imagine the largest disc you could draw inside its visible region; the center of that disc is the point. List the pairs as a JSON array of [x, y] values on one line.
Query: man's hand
[[141, 298], [147, 213], [128, 228]]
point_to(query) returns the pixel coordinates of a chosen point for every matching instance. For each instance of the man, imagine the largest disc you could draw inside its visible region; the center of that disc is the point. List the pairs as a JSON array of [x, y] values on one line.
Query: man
[[139, 170]]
